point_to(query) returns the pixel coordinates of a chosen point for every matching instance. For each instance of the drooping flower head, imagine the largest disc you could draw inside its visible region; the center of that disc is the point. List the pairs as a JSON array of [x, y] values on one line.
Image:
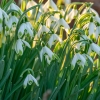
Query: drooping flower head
[[50, 4], [45, 51], [29, 80]]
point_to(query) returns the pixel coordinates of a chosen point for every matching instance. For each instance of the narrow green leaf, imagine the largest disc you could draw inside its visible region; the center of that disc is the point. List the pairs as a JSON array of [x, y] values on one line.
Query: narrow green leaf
[[2, 64]]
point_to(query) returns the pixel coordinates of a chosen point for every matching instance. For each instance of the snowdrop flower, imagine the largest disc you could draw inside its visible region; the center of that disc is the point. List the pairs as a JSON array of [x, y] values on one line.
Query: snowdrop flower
[[3, 14], [94, 11], [91, 10], [78, 57], [71, 15], [77, 46], [53, 38], [87, 56], [47, 53], [14, 7], [42, 29], [50, 20], [92, 28], [61, 23], [29, 5], [84, 37], [67, 1], [19, 46], [97, 18], [25, 28], [29, 80], [13, 20], [50, 4], [95, 48], [97, 32]]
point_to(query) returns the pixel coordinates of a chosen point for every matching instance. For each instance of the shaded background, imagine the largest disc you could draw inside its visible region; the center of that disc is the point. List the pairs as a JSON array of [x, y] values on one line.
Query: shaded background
[[96, 5]]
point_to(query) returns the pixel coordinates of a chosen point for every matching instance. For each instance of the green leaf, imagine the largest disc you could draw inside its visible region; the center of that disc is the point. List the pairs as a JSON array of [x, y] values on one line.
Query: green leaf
[[74, 93], [89, 78], [2, 64]]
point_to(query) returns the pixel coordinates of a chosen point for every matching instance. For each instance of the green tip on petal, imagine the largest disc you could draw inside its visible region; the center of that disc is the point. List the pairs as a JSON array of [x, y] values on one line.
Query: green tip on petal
[[20, 53], [24, 86], [72, 67]]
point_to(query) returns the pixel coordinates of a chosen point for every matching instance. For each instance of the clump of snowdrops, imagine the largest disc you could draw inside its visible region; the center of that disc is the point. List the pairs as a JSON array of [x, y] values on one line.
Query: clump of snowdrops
[[42, 57]]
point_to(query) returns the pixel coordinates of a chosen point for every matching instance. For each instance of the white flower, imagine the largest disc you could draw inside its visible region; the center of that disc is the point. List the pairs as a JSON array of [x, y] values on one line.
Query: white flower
[[13, 20], [61, 23], [42, 29], [95, 48], [47, 53], [71, 15], [94, 11], [91, 10], [3, 14], [19, 46], [53, 38], [84, 37], [50, 20], [49, 4], [29, 80], [97, 32], [67, 1], [92, 28], [87, 56], [78, 57], [77, 46], [14, 7], [29, 5], [97, 18], [25, 28]]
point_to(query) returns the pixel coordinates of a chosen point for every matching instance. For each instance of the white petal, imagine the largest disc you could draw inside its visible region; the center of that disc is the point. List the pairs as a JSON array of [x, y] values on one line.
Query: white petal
[[74, 60], [72, 14], [30, 4], [47, 59], [90, 58], [82, 58], [95, 48], [1, 16], [41, 54], [53, 38], [26, 43], [97, 18], [21, 30], [35, 81], [94, 11], [29, 31], [19, 48], [49, 4], [14, 7], [50, 20], [92, 28], [96, 34], [48, 51], [30, 81], [67, 1], [63, 23], [42, 29], [25, 82]]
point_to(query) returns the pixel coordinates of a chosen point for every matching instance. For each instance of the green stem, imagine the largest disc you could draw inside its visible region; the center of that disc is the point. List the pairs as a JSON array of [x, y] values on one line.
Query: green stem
[[2, 82], [21, 17]]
